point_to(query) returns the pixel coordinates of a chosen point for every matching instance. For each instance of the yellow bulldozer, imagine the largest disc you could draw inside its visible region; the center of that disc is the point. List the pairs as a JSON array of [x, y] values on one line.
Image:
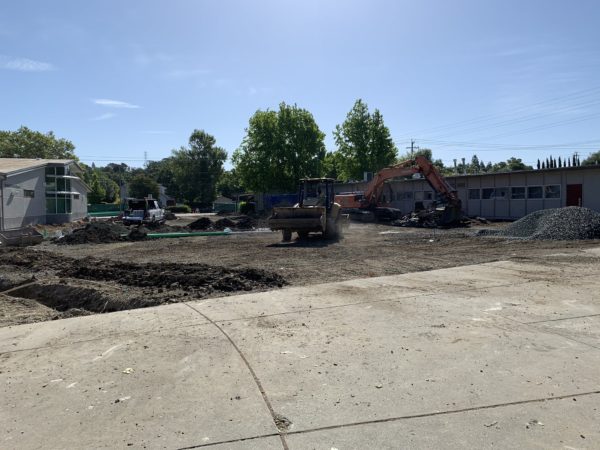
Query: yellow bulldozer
[[315, 212]]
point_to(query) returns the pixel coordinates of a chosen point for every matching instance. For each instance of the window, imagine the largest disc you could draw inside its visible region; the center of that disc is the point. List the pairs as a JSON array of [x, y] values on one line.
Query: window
[[75, 196], [60, 170], [50, 184], [428, 195], [50, 171], [552, 191], [534, 192], [517, 193], [487, 193], [501, 193], [474, 194], [28, 193], [51, 205]]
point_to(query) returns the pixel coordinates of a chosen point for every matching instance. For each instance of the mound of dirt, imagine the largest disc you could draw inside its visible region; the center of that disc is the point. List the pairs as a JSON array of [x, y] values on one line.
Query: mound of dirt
[[95, 233], [200, 278], [203, 223], [559, 224]]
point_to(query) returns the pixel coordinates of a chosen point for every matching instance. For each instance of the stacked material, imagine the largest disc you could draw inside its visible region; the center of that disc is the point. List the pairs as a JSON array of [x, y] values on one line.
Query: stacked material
[[560, 224]]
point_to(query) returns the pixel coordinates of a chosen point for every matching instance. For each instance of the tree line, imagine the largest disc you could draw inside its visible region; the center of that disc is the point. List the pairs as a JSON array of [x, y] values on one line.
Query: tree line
[[279, 148]]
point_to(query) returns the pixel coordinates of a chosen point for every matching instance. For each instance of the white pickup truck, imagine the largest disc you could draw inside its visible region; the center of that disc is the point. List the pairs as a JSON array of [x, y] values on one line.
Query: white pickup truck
[[145, 210]]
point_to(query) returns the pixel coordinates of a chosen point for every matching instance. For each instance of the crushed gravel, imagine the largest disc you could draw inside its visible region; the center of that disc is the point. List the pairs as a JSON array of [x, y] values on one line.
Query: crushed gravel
[[560, 224]]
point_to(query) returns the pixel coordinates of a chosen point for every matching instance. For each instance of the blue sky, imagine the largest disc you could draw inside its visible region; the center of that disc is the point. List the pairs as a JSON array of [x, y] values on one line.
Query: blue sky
[[120, 78]]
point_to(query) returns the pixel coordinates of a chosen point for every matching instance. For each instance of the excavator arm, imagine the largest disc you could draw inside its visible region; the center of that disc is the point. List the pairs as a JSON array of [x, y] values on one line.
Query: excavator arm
[[437, 182]]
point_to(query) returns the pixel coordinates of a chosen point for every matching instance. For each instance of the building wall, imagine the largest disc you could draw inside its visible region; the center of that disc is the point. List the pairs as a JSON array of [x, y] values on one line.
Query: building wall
[[21, 210], [505, 201]]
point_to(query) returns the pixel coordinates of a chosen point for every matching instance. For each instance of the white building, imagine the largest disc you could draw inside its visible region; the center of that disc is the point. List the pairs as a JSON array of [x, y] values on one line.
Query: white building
[[40, 191]]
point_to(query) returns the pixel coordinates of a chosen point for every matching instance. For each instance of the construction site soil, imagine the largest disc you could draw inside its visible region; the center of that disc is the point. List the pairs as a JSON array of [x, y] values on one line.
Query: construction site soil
[[51, 281]]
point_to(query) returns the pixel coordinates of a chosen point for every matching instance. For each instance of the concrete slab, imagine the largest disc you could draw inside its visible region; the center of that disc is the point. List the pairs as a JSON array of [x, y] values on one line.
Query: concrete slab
[[412, 356], [68, 331], [533, 426], [187, 387], [534, 301]]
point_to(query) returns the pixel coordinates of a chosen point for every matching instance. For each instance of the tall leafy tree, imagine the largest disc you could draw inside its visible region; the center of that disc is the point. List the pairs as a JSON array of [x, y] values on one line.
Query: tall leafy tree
[[364, 142], [280, 148], [229, 185], [26, 143], [102, 188], [142, 186], [594, 158], [197, 168]]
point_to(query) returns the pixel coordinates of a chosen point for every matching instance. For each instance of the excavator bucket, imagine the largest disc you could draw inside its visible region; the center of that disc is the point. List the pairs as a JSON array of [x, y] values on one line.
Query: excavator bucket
[[20, 237], [299, 218], [449, 215]]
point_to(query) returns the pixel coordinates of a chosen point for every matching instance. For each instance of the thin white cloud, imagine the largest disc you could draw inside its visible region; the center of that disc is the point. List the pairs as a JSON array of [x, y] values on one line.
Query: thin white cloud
[[114, 103], [104, 116], [25, 65]]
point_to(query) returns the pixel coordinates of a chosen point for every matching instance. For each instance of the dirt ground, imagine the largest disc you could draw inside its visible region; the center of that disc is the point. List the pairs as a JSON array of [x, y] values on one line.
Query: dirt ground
[[52, 281]]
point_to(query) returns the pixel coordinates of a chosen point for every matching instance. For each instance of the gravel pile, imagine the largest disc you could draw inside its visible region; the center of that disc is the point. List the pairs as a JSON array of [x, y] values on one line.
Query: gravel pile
[[560, 224]]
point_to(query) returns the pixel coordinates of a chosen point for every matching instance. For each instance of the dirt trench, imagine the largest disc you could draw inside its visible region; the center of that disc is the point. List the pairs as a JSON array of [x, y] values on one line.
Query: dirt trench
[[43, 286]]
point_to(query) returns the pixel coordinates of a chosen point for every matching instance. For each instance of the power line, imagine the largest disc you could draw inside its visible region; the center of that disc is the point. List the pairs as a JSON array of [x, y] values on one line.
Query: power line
[[492, 116]]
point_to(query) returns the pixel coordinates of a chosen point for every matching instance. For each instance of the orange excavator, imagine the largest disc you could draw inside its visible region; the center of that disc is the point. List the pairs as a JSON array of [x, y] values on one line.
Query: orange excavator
[[368, 205]]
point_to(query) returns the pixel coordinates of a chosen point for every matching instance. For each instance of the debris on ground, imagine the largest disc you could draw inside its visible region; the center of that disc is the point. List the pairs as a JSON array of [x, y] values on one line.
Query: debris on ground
[[426, 218], [282, 422], [559, 224]]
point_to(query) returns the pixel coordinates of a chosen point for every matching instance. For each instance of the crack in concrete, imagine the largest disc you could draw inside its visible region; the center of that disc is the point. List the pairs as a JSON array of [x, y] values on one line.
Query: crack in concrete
[[257, 381], [406, 417], [562, 318]]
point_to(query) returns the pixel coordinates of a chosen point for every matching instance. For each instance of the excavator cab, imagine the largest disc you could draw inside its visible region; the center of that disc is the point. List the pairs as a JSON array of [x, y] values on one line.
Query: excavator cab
[[316, 211]]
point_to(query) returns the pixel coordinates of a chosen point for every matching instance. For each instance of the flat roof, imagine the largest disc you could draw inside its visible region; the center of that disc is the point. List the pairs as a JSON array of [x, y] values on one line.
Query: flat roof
[[9, 166]]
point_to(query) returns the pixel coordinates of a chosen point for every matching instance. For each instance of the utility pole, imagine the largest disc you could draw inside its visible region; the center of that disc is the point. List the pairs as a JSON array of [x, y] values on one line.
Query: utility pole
[[412, 148], [145, 158]]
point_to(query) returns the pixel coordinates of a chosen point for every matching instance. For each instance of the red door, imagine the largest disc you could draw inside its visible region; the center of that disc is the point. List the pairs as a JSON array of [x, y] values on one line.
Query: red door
[[574, 194]]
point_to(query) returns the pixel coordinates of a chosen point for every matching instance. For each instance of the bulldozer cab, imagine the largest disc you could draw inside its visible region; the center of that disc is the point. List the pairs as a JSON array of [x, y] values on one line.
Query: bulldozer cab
[[316, 192]]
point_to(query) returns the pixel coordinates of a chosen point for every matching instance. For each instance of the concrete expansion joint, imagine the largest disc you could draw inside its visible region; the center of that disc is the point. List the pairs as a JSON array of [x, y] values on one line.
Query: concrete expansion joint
[[401, 418], [257, 381]]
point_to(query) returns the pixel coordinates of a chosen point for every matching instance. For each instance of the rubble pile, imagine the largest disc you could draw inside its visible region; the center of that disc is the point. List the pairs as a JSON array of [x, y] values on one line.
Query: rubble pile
[[559, 224]]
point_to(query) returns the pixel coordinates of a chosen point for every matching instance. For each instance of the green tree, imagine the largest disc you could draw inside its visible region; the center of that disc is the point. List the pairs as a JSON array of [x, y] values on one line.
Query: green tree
[[102, 188], [510, 165], [26, 143], [364, 142], [280, 148], [594, 158], [331, 166], [229, 184], [142, 186], [197, 168]]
